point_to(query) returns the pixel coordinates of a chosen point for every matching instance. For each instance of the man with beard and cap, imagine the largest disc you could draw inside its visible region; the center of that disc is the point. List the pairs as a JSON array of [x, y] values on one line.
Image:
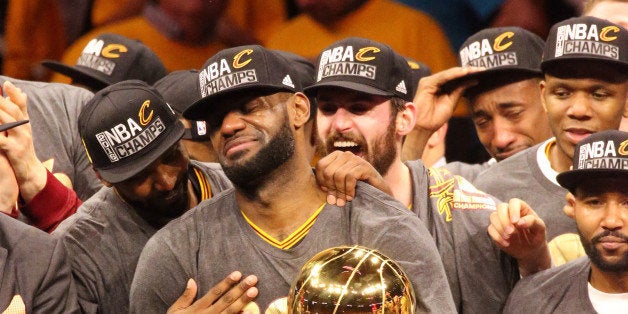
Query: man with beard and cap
[[54, 110], [131, 136], [598, 202], [584, 90], [362, 120], [275, 218]]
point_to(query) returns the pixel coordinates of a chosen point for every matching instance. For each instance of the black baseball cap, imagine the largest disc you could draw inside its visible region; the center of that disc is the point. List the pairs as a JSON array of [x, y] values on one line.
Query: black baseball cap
[[587, 39], [125, 127], [10, 125], [250, 68], [111, 58], [601, 155], [363, 65], [304, 69], [180, 90], [418, 70], [503, 52]]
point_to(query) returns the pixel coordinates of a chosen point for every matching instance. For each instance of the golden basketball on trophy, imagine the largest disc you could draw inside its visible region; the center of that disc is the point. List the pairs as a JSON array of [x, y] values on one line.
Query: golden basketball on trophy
[[351, 279]]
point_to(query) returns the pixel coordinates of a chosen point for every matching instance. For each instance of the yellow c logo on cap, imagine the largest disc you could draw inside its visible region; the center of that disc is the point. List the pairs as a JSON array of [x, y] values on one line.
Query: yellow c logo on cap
[[499, 45], [144, 120], [413, 65], [623, 148], [236, 59], [113, 51], [604, 33], [360, 56]]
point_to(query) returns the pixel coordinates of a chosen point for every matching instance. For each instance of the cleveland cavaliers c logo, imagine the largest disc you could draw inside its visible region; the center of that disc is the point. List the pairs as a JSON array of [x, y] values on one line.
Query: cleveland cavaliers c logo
[[604, 33], [144, 120], [361, 55], [113, 51], [499, 45], [623, 148], [236, 59]]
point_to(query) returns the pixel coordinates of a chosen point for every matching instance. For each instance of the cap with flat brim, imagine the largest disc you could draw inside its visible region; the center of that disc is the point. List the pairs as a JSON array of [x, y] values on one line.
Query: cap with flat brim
[[202, 107], [601, 155], [79, 74], [125, 127], [571, 179], [232, 72], [125, 170], [349, 85], [588, 40], [489, 75]]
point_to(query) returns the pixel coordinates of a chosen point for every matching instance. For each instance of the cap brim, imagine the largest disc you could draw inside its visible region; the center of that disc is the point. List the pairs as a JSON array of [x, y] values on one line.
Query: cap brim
[[348, 85], [545, 65], [76, 74], [199, 109], [10, 125], [487, 75], [121, 172], [571, 179]]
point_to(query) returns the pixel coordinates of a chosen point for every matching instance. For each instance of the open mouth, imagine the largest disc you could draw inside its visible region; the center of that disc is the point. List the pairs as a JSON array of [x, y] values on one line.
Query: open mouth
[[347, 146]]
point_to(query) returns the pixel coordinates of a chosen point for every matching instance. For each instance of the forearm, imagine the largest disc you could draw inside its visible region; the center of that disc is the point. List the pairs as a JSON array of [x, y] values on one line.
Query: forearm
[[51, 204], [536, 261]]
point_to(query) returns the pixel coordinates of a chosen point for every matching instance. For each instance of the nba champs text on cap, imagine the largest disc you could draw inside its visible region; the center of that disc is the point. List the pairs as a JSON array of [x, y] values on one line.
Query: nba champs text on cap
[[511, 49], [603, 154], [363, 65], [111, 58], [251, 68], [125, 127], [586, 38]]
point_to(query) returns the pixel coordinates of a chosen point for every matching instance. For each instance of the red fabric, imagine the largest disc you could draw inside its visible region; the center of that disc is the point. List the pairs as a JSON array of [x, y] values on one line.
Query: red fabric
[[51, 205]]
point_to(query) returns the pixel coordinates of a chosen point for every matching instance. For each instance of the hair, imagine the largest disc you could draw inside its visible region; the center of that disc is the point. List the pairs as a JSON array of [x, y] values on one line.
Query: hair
[[590, 4]]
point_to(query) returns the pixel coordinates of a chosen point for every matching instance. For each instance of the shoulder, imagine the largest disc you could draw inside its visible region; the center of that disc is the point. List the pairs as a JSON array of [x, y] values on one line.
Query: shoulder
[[555, 278], [509, 167], [19, 237]]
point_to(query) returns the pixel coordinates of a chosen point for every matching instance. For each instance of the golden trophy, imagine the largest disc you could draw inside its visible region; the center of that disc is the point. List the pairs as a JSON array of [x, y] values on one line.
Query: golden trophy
[[351, 279]]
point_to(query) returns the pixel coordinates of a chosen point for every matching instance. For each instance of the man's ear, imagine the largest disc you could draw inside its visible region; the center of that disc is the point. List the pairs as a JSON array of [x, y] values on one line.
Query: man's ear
[[406, 118], [543, 86], [569, 208], [301, 105], [104, 182]]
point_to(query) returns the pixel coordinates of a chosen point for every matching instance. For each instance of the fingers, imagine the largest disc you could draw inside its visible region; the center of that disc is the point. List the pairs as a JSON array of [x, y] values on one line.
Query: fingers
[[17, 97], [186, 299], [218, 290], [338, 174], [514, 218], [237, 297], [434, 82]]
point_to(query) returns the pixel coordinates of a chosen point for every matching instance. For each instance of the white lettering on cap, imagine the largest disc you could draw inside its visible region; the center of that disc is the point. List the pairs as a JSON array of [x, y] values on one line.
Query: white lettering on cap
[[125, 139]]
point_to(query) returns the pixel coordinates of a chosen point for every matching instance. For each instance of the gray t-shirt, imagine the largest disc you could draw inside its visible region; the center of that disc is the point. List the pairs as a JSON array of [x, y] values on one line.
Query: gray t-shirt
[[563, 289], [457, 215], [467, 171], [104, 239], [213, 239], [520, 176], [53, 111]]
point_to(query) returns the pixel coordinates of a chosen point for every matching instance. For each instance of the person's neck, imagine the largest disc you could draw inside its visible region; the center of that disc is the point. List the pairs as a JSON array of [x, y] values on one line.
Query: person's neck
[[400, 182], [284, 201], [609, 282], [558, 159]]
